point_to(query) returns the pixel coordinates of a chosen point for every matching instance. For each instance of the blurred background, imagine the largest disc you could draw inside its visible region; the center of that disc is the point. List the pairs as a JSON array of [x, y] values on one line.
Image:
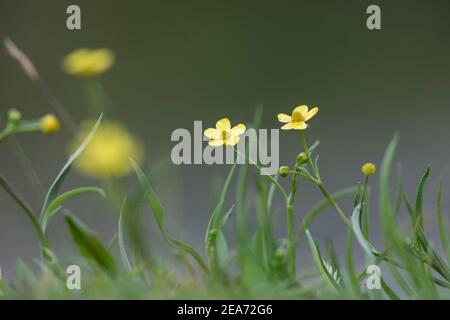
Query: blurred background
[[180, 61]]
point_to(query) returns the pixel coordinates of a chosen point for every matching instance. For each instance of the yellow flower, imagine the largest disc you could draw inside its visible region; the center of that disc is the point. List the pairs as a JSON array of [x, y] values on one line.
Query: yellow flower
[[109, 152], [49, 124], [297, 120], [223, 134], [88, 63], [368, 169]]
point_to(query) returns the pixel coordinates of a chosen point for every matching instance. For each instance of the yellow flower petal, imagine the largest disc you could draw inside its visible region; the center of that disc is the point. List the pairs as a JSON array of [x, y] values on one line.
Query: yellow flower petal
[[303, 109], [87, 63], [212, 133], [311, 113], [282, 117], [238, 130], [300, 125], [295, 126], [223, 124], [216, 143], [287, 126]]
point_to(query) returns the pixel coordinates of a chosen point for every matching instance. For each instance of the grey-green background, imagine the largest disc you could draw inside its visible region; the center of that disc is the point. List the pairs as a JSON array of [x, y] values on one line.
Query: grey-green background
[[180, 61]]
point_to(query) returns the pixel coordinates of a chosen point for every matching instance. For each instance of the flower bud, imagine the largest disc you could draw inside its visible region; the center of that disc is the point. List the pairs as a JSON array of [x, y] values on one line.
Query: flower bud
[[280, 253], [283, 171], [368, 169], [49, 124], [214, 232], [14, 116], [302, 158]]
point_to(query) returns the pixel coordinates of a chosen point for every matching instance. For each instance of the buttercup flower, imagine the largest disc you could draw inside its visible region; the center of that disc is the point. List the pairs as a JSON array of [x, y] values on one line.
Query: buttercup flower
[[297, 120], [223, 134], [109, 152], [49, 124], [368, 169], [88, 63]]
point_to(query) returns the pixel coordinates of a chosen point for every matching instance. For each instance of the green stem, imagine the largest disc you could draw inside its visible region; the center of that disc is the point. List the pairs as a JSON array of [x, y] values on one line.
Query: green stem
[[306, 149], [23, 127], [362, 211], [8, 131], [272, 179], [31, 216], [311, 179], [318, 181], [94, 96], [334, 205], [290, 227]]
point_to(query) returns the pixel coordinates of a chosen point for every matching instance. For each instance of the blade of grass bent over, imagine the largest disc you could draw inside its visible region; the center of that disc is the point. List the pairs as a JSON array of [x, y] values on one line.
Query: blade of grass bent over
[[158, 213], [56, 204], [57, 183]]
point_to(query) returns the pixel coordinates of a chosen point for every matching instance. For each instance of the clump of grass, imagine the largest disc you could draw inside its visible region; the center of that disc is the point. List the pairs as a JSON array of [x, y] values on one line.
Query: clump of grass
[[265, 265]]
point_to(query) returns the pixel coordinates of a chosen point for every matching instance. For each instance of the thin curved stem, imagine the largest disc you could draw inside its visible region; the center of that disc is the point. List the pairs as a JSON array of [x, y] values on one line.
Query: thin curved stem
[[272, 179], [334, 205], [290, 227], [308, 154]]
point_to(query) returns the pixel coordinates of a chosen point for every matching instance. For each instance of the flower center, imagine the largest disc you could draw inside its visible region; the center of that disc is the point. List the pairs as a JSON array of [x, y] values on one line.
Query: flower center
[[297, 116], [225, 134]]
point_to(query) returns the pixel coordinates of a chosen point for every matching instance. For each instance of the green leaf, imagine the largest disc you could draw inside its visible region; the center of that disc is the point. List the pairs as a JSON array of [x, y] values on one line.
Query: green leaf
[[427, 253], [56, 204], [433, 257], [328, 277], [265, 225], [314, 146], [226, 217], [419, 196], [4, 288], [89, 245], [390, 293], [214, 224], [222, 251], [441, 223], [158, 213], [333, 258], [216, 215], [241, 215], [399, 189], [316, 168], [25, 276], [121, 238], [352, 277], [386, 207], [356, 226], [57, 183]]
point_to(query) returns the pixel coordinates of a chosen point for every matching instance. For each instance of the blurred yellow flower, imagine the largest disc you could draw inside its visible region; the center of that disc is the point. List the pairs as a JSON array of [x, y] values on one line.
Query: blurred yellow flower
[[223, 134], [49, 124], [109, 152], [87, 62], [297, 120], [368, 169]]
